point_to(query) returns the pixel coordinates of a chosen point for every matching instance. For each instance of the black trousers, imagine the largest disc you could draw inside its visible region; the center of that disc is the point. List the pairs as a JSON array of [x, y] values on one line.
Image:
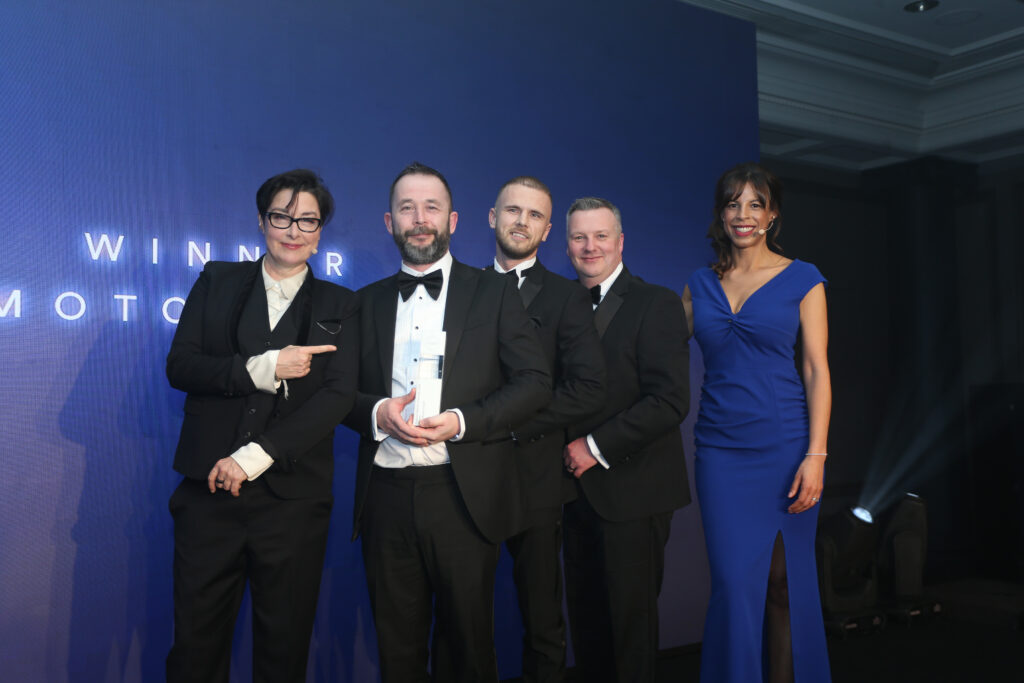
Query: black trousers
[[220, 542], [425, 561], [538, 577], [613, 574]]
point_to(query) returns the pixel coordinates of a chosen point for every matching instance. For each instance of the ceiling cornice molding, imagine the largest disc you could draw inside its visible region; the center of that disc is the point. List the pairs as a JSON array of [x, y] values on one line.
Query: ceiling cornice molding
[[990, 42], [1013, 61], [841, 97], [778, 47], [837, 123], [834, 91], [771, 44], [959, 120], [801, 17]]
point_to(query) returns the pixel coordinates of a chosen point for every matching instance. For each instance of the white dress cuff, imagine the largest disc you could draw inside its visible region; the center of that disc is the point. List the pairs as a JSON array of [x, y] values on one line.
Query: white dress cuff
[[262, 369], [462, 424], [596, 452], [377, 434], [253, 460]]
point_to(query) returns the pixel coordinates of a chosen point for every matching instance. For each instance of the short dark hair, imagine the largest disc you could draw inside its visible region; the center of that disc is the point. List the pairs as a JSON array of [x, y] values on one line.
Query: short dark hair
[[416, 168], [526, 181], [299, 180], [768, 189], [592, 204]]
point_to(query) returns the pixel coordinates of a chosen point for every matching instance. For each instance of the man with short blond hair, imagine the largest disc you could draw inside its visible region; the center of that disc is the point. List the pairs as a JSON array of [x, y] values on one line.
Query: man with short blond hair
[[561, 314], [627, 459]]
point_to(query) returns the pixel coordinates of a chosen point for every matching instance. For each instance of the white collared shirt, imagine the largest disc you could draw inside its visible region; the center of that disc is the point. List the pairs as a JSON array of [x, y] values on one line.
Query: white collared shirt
[[605, 286], [417, 316], [528, 263], [609, 281]]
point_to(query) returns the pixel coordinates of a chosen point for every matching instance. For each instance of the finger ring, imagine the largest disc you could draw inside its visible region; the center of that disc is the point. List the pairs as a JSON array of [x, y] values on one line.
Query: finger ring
[[815, 500], [571, 468], [220, 481]]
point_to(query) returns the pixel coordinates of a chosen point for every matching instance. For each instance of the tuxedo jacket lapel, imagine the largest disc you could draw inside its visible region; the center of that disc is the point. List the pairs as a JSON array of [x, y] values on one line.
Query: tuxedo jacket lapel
[[612, 301], [531, 286], [461, 288], [385, 309], [241, 295]]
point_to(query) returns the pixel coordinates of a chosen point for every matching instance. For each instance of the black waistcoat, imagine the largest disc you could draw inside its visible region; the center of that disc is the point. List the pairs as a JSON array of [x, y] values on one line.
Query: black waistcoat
[[254, 338]]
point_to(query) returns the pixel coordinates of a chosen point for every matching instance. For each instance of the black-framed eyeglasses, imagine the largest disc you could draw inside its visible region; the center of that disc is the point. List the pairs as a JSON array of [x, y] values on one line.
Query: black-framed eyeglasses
[[283, 221]]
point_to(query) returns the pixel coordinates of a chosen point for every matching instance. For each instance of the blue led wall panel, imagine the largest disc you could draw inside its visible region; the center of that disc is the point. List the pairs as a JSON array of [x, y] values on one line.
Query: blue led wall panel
[[133, 136]]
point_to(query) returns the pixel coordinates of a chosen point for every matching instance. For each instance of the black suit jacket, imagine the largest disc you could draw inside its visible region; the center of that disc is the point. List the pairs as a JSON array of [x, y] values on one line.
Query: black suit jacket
[[561, 313], [643, 332], [494, 372], [205, 362]]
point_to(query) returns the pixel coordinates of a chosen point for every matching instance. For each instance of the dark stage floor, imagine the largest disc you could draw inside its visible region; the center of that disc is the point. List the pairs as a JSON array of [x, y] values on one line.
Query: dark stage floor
[[938, 650]]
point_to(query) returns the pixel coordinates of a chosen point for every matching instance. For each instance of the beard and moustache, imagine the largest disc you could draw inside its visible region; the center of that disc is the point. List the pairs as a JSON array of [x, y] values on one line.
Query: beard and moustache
[[428, 253], [514, 250]]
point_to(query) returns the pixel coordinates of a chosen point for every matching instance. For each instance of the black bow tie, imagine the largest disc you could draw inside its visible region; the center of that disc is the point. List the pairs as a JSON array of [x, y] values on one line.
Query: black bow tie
[[595, 294], [432, 281], [524, 273]]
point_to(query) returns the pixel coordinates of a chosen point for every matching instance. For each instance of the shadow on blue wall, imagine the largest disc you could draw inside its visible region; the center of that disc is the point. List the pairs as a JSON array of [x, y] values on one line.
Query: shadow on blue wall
[[117, 411]]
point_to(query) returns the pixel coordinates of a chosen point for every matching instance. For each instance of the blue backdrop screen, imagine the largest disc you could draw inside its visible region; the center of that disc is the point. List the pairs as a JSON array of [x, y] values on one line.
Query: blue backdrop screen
[[133, 136]]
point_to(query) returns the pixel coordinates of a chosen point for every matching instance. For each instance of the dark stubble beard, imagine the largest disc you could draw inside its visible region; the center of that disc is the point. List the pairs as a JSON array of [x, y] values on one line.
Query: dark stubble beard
[[515, 251], [420, 256]]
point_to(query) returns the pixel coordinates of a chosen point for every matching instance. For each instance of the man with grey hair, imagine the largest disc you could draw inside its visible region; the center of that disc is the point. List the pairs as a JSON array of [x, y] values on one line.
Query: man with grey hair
[[563, 319], [627, 460]]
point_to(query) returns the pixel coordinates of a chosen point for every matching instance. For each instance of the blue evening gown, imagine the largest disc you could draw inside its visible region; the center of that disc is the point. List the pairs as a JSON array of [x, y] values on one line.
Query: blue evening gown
[[751, 436]]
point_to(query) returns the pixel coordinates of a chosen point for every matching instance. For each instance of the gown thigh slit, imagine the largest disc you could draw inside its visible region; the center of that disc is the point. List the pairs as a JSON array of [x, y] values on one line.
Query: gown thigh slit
[[778, 642]]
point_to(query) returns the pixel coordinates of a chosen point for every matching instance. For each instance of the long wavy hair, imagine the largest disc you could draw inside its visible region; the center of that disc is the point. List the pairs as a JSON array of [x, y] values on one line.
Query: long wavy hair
[[730, 186]]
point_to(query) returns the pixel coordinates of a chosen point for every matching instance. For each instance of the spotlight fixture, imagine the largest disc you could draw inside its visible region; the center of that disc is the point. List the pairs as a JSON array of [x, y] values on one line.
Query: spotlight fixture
[[903, 549], [847, 573], [862, 514], [901, 559], [921, 6]]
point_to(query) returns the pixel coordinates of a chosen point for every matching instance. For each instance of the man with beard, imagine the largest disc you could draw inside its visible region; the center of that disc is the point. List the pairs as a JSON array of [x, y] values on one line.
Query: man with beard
[[560, 310], [449, 362]]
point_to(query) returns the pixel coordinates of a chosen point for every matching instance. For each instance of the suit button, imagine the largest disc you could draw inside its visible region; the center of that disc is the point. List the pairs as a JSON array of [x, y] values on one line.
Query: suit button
[[247, 435], [252, 411], [267, 344]]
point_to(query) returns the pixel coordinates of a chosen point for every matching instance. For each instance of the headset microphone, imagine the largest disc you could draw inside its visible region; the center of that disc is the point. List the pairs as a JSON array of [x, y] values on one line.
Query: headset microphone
[[761, 231]]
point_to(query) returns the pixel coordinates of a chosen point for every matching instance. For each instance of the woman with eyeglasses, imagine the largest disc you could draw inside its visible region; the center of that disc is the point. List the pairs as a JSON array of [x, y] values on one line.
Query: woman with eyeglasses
[[267, 354]]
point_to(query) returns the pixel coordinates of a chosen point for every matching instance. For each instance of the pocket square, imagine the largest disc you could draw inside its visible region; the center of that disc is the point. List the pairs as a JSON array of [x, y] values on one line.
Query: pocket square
[[329, 326]]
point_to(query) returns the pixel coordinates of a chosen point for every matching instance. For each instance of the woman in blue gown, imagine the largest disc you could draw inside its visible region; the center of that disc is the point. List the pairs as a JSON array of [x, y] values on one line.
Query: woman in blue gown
[[761, 439]]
